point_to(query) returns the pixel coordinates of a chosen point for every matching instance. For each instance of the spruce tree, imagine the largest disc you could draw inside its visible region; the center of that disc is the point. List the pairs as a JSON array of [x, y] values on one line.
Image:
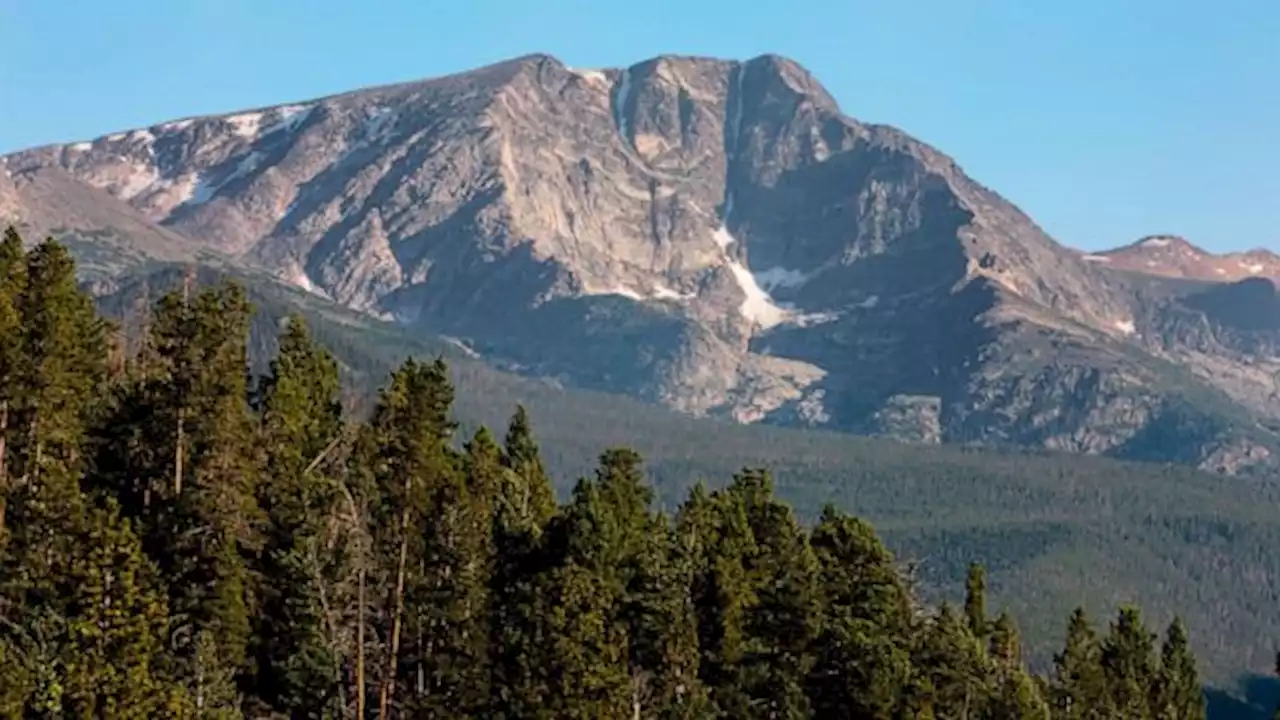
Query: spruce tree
[[526, 499], [975, 599], [862, 657], [1079, 687], [453, 600], [783, 620], [13, 275], [300, 648], [192, 449], [1178, 692], [117, 626], [405, 452], [1128, 663]]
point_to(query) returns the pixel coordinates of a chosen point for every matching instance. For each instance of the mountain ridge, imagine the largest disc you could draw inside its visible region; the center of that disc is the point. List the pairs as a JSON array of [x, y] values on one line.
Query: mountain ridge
[[711, 235]]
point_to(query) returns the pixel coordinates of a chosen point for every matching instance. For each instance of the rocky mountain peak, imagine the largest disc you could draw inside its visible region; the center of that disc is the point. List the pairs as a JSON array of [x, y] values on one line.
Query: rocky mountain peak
[[1175, 256], [710, 234]]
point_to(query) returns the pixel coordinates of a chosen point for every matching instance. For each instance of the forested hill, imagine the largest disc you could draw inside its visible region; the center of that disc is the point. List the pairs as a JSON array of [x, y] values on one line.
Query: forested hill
[[181, 539]]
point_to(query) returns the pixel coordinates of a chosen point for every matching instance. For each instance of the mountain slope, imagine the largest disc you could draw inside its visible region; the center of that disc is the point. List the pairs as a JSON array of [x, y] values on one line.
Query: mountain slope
[[713, 236]]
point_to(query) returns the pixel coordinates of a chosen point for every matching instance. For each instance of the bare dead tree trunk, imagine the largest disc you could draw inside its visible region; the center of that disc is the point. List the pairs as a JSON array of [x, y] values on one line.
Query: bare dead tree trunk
[[4, 470], [360, 689], [393, 651], [178, 450]]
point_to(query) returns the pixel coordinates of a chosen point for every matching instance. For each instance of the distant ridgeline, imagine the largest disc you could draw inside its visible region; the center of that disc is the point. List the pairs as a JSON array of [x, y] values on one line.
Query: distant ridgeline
[[182, 541]]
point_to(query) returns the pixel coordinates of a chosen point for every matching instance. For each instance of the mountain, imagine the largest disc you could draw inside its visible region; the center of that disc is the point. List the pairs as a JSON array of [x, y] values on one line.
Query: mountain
[[1175, 257], [713, 236]]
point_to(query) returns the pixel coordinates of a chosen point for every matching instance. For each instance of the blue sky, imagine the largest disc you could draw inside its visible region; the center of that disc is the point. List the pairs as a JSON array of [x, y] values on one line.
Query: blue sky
[[1103, 119]]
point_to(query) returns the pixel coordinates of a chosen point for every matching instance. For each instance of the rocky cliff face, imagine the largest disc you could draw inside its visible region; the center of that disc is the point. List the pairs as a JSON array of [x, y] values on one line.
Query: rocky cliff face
[[715, 236]]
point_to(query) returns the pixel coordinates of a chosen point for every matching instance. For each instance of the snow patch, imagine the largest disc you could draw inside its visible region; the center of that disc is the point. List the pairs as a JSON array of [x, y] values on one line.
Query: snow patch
[[758, 306], [245, 125], [625, 292], [205, 190], [288, 118], [176, 125], [1254, 268], [1097, 258], [302, 281], [818, 318], [662, 292], [1156, 242], [594, 76], [723, 238], [116, 137], [734, 124], [81, 146], [1126, 327], [1220, 271], [776, 277], [139, 181]]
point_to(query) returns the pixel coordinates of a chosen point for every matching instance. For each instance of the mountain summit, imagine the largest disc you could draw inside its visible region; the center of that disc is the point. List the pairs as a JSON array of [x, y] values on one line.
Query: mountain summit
[[712, 235]]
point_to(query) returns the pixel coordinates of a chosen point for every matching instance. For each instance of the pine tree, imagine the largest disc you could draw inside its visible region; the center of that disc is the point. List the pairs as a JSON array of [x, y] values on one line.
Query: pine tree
[[405, 452], [300, 648], [13, 275], [523, 508], [1079, 688], [1178, 692], [583, 671], [526, 500], [117, 623], [453, 670], [783, 621], [1005, 647], [975, 599], [59, 368], [181, 453], [1128, 663], [862, 664], [952, 663]]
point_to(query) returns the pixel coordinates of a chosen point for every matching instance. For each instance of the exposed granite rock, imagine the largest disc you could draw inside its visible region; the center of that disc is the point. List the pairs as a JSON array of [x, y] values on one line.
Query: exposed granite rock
[[712, 235]]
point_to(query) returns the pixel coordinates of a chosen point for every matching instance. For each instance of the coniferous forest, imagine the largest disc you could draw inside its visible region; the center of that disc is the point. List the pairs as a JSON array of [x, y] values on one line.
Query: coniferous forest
[[180, 539]]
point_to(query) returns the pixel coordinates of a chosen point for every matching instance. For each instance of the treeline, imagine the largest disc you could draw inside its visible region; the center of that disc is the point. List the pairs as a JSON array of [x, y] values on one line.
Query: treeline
[[182, 540]]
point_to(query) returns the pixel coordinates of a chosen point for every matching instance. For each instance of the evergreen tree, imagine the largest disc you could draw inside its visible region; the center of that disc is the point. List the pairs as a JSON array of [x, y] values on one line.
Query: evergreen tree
[[453, 603], [526, 499], [783, 619], [59, 368], [405, 452], [1178, 692], [1128, 664], [583, 669], [862, 664], [300, 648], [179, 448], [13, 276], [953, 666], [1079, 689], [1005, 647], [520, 554], [117, 622], [975, 599]]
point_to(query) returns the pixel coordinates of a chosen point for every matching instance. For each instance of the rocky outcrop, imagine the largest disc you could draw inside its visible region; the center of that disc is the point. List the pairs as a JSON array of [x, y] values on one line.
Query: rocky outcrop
[[712, 235]]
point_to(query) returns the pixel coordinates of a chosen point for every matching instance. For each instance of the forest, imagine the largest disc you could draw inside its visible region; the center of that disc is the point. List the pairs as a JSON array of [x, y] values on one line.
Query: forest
[[181, 536]]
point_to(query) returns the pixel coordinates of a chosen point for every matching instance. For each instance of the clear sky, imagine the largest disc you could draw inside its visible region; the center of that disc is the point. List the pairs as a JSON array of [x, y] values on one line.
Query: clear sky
[[1103, 119]]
